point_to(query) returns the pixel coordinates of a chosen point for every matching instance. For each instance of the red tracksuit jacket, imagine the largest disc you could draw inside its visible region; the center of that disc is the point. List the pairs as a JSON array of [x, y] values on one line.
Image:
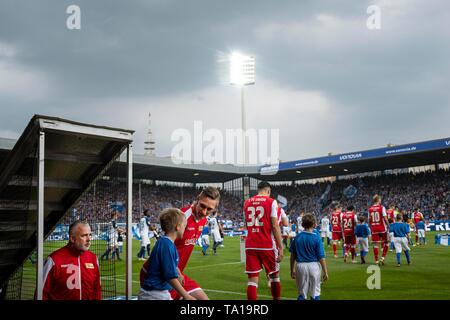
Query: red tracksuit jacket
[[69, 275]]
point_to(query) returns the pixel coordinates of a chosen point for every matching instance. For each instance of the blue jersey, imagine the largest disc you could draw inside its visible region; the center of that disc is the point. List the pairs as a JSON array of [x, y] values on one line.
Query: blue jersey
[[205, 230], [162, 266], [362, 230], [400, 229], [293, 227], [420, 225], [316, 231], [307, 247]]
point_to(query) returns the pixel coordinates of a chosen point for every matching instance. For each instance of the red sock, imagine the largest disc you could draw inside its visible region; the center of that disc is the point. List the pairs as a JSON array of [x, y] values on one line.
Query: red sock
[[385, 250], [353, 252], [334, 248], [375, 252], [417, 238], [252, 291], [275, 288]]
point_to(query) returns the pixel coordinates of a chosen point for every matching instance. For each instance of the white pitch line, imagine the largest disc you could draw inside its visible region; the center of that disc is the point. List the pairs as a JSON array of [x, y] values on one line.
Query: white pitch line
[[243, 294], [212, 265], [196, 267], [217, 291]]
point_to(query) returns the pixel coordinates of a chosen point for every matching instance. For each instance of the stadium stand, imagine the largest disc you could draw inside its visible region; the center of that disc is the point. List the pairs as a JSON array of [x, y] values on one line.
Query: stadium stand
[[429, 191], [87, 180]]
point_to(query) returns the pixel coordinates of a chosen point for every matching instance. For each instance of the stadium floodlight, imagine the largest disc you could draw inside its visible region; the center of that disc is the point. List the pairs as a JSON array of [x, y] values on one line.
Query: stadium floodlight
[[242, 73], [242, 69]]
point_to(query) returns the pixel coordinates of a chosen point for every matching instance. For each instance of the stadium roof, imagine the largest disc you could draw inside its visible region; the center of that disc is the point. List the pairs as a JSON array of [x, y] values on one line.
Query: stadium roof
[[401, 156], [392, 157]]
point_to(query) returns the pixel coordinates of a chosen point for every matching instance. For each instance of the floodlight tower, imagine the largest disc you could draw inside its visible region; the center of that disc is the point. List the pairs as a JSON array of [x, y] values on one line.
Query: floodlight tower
[[242, 73]]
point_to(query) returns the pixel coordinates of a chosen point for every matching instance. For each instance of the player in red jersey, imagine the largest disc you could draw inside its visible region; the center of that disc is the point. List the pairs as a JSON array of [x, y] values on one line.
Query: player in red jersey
[[349, 221], [263, 245], [379, 225], [336, 227], [196, 215], [283, 222], [391, 213], [391, 219], [417, 216]]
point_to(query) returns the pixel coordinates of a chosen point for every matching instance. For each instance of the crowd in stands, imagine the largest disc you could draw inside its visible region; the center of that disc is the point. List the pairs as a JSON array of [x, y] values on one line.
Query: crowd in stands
[[428, 191]]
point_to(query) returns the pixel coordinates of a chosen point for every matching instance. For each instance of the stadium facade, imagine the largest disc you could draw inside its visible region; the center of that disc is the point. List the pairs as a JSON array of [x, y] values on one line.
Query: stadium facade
[[110, 156]]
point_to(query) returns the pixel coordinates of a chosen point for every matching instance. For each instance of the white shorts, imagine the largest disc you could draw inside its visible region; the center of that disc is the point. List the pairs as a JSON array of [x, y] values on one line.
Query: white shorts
[[401, 243], [205, 239], [145, 241], [329, 234], [307, 277], [154, 295], [216, 236], [421, 233], [363, 244], [391, 236], [323, 234]]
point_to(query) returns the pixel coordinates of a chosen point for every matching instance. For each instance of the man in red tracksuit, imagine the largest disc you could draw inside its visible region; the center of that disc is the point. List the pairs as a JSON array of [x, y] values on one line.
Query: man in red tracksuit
[[72, 272]]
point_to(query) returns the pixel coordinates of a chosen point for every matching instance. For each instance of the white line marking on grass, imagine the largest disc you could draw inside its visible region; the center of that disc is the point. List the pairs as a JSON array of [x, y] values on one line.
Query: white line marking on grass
[[243, 294], [189, 268], [213, 290], [212, 265]]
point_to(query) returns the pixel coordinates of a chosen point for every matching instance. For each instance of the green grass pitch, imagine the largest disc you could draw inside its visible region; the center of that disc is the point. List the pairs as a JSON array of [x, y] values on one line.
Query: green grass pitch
[[222, 276]]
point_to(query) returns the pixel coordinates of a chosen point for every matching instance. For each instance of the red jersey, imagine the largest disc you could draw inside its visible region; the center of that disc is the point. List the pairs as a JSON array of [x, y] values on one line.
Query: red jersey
[[390, 215], [336, 221], [376, 221], [281, 215], [257, 211], [193, 230], [69, 275], [417, 217], [349, 222]]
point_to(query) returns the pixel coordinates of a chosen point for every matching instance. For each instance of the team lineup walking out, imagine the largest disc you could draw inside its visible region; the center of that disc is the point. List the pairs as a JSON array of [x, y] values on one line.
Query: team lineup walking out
[[163, 274]]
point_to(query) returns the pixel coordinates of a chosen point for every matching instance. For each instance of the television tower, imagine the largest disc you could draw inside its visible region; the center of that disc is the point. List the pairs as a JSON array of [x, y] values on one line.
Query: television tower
[[150, 142]]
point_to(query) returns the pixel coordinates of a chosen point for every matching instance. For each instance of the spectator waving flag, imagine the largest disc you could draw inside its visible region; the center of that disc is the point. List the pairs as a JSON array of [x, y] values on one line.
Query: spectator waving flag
[[117, 206], [282, 201], [350, 191]]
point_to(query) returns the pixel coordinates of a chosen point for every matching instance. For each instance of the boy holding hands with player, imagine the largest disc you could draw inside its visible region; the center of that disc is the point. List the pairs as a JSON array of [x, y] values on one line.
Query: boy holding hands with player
[[162, 272], [362, 232], [308, 258], [401, 237]]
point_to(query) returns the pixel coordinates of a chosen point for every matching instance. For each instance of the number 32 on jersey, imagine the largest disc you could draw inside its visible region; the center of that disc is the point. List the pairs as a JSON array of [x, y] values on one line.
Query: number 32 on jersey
[[255, 216]]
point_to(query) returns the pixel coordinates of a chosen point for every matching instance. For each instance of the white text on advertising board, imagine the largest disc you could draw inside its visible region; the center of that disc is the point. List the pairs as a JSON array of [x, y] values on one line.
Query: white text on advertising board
[[350, 156]]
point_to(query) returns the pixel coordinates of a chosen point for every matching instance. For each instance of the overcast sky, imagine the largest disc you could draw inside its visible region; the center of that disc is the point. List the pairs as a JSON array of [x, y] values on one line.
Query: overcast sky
[[322, 77]]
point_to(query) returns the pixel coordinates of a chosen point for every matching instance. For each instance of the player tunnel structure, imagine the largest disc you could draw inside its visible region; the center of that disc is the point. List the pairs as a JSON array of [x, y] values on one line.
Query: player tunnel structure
[[53, 165]]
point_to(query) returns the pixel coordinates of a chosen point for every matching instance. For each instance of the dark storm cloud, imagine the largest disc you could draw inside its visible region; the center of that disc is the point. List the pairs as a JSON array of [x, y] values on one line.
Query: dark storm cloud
[[158, 50]]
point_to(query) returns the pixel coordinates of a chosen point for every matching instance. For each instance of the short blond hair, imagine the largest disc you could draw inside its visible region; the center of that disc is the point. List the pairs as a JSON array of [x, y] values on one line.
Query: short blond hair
[[376, 198], [169, 219]]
